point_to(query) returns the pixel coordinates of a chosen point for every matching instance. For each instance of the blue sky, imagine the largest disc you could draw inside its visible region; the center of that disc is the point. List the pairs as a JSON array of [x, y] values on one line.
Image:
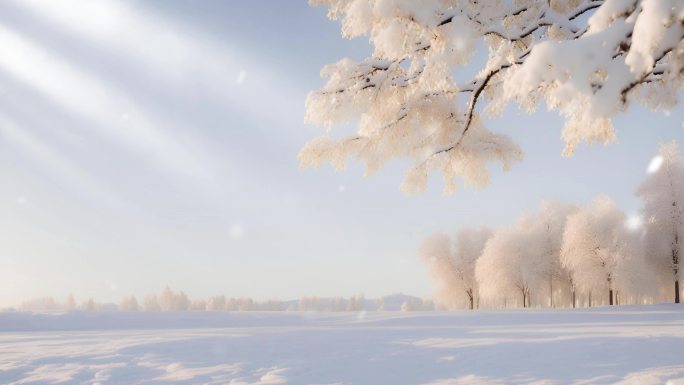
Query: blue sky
[[145, 144]]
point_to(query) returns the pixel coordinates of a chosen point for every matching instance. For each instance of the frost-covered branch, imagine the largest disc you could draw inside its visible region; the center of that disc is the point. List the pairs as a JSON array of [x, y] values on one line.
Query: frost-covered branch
[[587, 59]]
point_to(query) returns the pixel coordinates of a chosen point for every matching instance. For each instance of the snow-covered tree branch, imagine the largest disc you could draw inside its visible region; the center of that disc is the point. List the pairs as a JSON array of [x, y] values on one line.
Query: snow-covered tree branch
[[586, 59]]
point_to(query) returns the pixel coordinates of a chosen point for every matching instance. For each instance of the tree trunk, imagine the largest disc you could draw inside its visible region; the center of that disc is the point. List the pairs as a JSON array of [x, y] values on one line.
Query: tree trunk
[[610, 297], [471, 302], [675, 262], [524, 295], [573, 299], [551, 292], [589, 299], [676, 291]]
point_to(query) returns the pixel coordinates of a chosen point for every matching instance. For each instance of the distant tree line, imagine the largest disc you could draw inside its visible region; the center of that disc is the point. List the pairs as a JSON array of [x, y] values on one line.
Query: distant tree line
[[168, 300]]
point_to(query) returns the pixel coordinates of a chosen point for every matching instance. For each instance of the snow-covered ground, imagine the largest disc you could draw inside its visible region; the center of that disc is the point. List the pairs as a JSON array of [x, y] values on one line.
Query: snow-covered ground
[[627, 345]]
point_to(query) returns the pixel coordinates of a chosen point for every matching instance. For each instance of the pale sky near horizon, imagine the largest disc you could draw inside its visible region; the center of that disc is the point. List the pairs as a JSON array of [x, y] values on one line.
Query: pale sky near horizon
[[145, 144]]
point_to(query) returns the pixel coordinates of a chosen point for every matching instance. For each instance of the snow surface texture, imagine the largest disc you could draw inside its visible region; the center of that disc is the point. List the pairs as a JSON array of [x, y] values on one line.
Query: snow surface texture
[[624, 345]]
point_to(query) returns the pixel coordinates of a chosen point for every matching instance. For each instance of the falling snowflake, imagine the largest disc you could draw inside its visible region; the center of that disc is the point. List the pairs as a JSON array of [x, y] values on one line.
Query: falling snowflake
[[237, 231], [655, 164], [634, 222]]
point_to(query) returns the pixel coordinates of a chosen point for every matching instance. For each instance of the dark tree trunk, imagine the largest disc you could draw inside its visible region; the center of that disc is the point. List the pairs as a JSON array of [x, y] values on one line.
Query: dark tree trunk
[[589, 299], [573, 299], [676, 291], [675, 262], [471, 302], [610, 297]]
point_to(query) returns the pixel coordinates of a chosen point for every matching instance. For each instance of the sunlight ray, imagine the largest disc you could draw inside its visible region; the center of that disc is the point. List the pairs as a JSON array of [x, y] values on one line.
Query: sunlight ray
[[170, 51], [50, 158], [88, 95]]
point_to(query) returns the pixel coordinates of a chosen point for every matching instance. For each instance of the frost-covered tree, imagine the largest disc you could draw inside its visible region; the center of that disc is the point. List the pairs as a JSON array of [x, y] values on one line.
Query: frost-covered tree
[[128, 304], [587, 59], [272, 305], [217, 303], [198, 305], [452, 265], [507, 268], [171, 301], [166, 299], [91, 305], [544, 233], [338, 304], [245, 304], [525, 257], [309, 304], [151, 303], [70, 303], [232, 304], [662, 194], [437, 253], [40, 304], [356, 303], [599, 251]]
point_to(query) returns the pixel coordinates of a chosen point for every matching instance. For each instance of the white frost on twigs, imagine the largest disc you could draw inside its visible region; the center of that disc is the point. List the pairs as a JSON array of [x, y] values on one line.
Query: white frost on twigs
[[586, 59]]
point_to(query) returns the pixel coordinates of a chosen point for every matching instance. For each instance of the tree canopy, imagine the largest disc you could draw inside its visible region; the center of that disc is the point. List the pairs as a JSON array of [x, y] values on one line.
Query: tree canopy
[[586, 59]]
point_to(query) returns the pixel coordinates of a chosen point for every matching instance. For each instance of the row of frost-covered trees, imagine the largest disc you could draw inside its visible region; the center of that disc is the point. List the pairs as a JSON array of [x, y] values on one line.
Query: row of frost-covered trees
[[570, 256], [168, 300]]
